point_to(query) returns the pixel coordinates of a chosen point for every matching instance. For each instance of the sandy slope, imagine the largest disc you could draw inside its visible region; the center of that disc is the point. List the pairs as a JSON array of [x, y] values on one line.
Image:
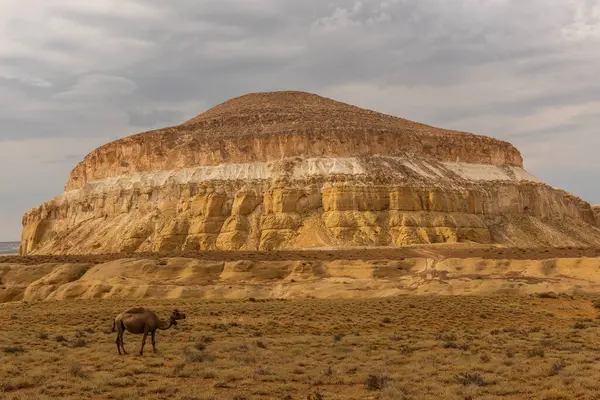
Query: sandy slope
[[170, 278]]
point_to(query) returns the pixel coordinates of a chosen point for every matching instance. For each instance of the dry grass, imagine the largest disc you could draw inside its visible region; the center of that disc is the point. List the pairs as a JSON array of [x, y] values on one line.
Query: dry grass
[[430, 348]]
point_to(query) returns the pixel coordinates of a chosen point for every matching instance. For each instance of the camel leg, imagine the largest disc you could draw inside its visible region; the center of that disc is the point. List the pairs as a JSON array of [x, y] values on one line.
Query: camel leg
[[119, 343], [143, 342], [120, 334], [123, 344], [153, 342]]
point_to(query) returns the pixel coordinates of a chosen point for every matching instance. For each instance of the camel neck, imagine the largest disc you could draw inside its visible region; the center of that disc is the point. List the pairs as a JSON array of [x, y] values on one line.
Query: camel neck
[[165, 324]]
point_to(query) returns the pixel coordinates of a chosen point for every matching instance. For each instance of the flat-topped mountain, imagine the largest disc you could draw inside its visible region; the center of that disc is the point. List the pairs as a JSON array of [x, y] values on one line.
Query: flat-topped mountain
[[295, 170], [264, 127]]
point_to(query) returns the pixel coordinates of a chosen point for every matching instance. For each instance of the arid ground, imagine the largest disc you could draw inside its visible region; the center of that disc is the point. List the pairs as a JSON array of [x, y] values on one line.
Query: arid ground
[[410, 347], [436, 250]]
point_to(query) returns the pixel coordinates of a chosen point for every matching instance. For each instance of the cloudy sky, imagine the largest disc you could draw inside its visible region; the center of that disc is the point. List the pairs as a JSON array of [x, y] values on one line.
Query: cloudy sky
[[75, 74]]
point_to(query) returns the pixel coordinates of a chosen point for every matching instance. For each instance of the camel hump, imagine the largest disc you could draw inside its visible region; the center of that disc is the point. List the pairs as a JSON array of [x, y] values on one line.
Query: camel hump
[[137, 310]]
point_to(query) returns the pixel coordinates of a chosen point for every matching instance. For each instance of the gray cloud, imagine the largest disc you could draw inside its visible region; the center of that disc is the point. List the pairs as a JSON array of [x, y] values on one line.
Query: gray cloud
[[67, 158], [74, 74], [152, 118]]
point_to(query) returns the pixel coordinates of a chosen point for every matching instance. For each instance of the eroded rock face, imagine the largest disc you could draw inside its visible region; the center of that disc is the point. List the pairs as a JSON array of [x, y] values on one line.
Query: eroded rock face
[[294, 170], [241, 279]]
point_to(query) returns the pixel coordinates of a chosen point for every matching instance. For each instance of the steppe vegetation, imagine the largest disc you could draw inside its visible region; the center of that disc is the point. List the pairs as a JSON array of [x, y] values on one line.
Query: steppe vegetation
[[502, 347]]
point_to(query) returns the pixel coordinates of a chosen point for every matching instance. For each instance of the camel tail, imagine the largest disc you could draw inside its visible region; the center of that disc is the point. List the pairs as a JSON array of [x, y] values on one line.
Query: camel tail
[[113, 328]]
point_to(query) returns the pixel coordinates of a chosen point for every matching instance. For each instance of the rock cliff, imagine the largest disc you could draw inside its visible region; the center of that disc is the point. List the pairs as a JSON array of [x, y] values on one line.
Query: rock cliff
[[294, 170]]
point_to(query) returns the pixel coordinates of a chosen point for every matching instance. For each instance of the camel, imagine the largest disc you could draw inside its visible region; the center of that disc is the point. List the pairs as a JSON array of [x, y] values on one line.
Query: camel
[[142, 321]]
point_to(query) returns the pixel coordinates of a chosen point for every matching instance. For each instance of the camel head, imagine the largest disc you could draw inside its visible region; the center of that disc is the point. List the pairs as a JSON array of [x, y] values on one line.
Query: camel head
[[175, 315]]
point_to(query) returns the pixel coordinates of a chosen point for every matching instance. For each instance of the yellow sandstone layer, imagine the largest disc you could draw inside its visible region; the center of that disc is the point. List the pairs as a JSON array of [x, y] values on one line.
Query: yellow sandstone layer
[[293, 170], [193, 278]]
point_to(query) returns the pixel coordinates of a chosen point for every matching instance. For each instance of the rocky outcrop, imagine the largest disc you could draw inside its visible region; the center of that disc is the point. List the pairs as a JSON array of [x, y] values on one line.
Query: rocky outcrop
[[295, 279], [293, 170]]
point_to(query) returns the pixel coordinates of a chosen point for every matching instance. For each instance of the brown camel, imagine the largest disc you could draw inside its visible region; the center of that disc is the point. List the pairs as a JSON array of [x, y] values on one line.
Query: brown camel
[[142, 321]]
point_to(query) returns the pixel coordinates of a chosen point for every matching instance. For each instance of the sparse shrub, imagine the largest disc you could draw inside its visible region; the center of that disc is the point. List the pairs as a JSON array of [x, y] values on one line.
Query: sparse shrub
[[387, 320], [78, 343], [547, 295], [43, 336], [18, 384], [262, 372], [447, 337], [76, 370], [376, 383], [579, 325], [242, 348], [467, 379], [338, 336], [222, 385], [14, 349], [260, 344], [395, 338], [60, 339], [207, 339], [252, 300], [537, 352], [485, 358], [220, 327], [405, 350], [200, 346], [557, 367], [315, 396], [510, 353], [121, 382], [209, 375], [192, 356], [179, 371], [596, 304], [451, 345]]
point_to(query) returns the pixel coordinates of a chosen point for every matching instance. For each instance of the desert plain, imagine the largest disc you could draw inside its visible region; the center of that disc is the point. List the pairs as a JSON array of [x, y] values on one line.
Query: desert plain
[[539, 341]]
